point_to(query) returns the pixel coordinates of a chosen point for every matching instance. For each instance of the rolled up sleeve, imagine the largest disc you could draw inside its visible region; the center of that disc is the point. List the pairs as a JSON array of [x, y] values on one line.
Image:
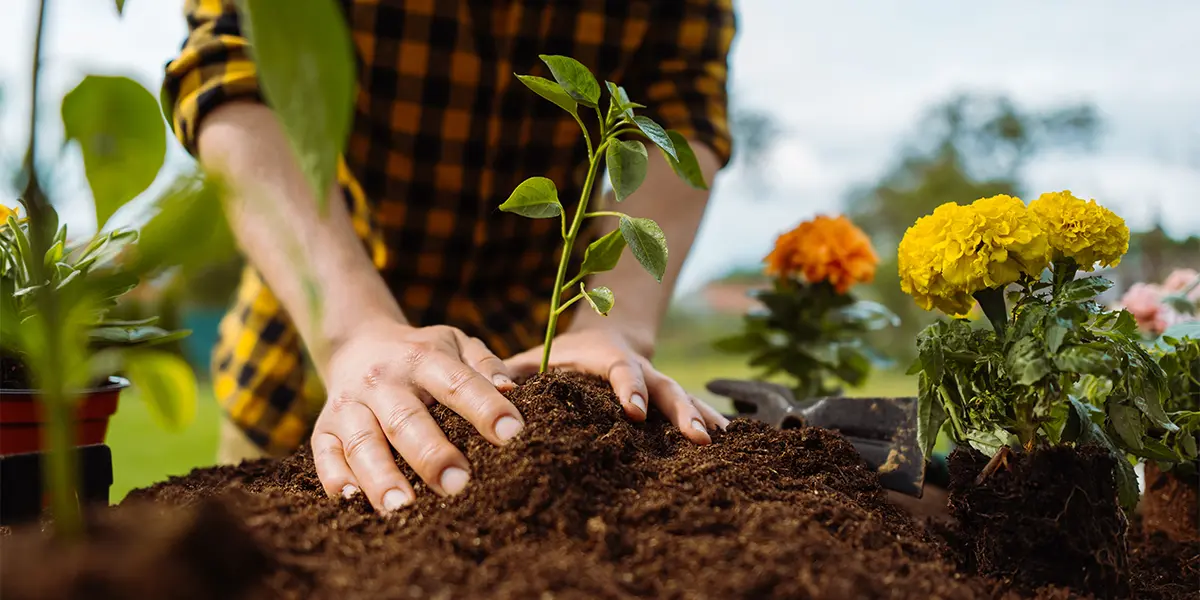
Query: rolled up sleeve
[[682, 71], [213, 66]]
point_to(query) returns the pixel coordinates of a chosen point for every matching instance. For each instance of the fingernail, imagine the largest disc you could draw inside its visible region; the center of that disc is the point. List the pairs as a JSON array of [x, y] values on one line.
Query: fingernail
[[501, 380], [394, 499], [349, 491], [454, 480], [698, 425], [640, 402], [507, 428]]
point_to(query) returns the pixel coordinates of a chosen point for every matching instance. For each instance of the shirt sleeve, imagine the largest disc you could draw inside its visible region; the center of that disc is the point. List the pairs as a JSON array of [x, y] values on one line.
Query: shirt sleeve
[[213, 66], [682, 71]]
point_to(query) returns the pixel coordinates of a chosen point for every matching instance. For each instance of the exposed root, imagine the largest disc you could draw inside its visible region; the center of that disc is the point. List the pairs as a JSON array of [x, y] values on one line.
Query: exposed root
[[1000, 459]]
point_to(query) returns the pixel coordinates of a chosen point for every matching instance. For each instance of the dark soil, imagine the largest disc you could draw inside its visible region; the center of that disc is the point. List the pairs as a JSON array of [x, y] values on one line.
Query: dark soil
[[1162, 567], [1050, 518], [13, 375], [584, 504], [1170, 504], [140, 552]]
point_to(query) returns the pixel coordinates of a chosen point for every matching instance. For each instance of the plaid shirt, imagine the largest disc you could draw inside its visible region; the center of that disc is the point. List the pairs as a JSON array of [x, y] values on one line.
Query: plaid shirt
[[442, 133]]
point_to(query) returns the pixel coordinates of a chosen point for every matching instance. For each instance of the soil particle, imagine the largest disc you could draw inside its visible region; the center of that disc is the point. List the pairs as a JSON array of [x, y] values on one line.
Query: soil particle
[[1170, 504], [585, 504], [1050, 518]]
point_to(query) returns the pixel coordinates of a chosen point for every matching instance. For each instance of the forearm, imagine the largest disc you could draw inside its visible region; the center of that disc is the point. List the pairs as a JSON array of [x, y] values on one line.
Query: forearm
[[678, 208], [279, 228]]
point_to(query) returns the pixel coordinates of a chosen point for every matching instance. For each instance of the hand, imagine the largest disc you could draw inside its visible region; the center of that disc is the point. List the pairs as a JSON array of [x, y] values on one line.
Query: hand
[[381, 381], [606, 353]]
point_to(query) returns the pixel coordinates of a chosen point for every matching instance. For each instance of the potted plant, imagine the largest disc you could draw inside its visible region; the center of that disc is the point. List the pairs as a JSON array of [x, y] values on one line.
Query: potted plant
[[1172, 483], [1045, 403], [810, 327], [64, 363]]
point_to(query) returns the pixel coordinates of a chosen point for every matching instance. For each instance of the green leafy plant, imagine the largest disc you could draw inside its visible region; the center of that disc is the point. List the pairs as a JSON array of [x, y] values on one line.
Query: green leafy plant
[[56, 291], [810, 326], [1056, 369], [1178, 353], [574, 86]]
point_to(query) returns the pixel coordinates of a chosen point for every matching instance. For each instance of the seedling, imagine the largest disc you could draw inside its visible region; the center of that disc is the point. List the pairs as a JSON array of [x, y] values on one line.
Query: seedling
[[1055, 369], [573, 87]]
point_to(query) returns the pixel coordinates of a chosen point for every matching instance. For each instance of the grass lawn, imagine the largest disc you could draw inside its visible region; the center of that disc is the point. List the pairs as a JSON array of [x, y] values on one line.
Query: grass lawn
[[145, 453]]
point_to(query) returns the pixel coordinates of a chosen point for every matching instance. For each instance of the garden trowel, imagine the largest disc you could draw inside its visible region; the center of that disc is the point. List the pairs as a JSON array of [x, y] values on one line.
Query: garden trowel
[[883, 430]]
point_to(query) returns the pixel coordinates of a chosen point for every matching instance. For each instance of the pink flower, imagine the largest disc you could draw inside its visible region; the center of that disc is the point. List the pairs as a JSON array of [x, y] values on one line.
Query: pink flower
[[1144, 302], [1179, 280]]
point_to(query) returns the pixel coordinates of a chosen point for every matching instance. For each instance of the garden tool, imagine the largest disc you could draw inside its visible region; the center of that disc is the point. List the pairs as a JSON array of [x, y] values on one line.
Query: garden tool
[[882, 430]]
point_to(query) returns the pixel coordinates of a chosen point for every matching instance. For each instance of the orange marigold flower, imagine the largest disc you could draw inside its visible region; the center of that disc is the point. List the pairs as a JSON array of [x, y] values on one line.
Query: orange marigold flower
[[825, 249]]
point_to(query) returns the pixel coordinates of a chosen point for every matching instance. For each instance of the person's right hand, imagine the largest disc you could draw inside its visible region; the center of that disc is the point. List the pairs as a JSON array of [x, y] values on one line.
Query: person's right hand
[[381, 381]]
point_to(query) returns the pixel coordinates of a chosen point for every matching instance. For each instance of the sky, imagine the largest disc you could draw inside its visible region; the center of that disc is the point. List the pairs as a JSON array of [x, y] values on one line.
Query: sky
[[847, 81]]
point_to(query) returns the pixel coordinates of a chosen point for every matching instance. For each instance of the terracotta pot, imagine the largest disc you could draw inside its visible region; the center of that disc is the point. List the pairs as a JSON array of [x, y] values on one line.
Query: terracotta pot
[[22, 422]]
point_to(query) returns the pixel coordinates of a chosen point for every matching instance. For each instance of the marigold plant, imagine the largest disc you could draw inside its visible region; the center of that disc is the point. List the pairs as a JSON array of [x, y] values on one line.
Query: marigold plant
[[1055, 367], [810, 327]]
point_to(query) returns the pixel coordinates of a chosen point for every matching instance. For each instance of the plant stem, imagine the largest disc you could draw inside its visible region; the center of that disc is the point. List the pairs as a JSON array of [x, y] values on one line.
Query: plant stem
[[568, 303], [569, 243], [59, 467], [605, 213]]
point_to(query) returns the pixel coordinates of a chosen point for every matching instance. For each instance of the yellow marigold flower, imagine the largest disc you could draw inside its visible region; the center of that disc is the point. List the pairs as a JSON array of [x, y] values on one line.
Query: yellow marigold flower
[[947, 256], [825, 249], [1084, 231], [4, 213]]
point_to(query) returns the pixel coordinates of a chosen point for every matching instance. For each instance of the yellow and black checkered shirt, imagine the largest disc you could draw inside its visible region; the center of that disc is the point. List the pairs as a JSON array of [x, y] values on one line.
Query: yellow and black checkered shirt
[[443, 131]]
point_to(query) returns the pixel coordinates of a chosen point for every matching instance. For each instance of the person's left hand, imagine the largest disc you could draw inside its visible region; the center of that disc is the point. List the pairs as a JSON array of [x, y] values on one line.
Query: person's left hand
[[608, 354]]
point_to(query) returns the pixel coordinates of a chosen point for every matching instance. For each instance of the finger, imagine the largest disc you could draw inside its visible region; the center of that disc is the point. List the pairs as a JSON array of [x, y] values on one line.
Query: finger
[[629, 383], [332, 470], [674, 402], [477, 355], [422, 444], [370, 458], [711, 415], [467, 393]]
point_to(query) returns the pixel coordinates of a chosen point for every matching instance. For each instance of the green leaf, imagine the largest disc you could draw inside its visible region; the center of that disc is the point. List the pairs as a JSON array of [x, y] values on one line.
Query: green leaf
[[930, 415], [657, 134], [166, 384], [649, 245], [1084, 288], [1180, 303], [574, 78], [1127, 422], [1151, 406], [141, 335], [306, 67], [1026, 361], [120, 7], [121, 135], [1186, 329], [536, 198], [1085, 359], [600, 298], [1155, 450], [1056, 332], [686, 166], [741, 342], [620, 99], [603, 254], [627, 162], [191, 209], [550, 91]]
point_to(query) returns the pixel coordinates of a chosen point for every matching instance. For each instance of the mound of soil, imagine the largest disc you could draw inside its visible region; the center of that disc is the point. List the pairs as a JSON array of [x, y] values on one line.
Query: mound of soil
[[1170, 504], [1050, 518], [585, 504]]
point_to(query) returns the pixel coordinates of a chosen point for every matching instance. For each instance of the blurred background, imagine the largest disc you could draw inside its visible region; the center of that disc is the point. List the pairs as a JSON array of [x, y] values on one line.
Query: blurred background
[[879, 110]]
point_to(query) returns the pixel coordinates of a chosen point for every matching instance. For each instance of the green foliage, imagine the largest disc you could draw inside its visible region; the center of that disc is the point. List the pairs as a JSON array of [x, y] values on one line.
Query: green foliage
[[627, 161], [1060, 370], [812, 334], [306, 67], [1179, 358], [117, 124]]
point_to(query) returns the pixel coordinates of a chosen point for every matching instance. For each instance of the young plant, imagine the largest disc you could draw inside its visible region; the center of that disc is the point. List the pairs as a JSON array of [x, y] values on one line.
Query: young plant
[[1055, 369], [810, 326], [1178, 352], [54, 292], [573, 87]]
